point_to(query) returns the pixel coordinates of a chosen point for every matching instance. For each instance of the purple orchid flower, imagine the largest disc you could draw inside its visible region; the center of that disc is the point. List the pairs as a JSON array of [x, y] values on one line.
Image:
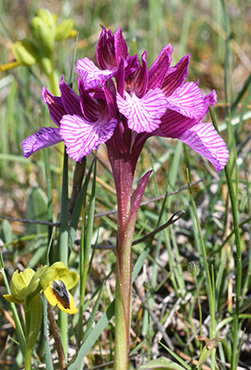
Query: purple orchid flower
[[157, 102], [96, 124], [111, 49]]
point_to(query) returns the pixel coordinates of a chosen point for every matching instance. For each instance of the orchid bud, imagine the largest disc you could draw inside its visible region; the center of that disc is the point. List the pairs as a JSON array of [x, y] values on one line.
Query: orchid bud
[[47, 17], [44, 34], [46, 65], [65, 30], [25, 52], [19, 285]]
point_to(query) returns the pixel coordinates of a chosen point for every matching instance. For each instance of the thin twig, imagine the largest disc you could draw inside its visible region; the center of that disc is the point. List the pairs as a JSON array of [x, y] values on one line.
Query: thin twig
[[100, 214], [175, 217], [57, 338]]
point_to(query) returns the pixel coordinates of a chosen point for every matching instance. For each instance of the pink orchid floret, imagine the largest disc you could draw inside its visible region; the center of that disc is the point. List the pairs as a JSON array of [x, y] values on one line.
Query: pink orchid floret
[[110, 50], [83, 126], [83, 134]]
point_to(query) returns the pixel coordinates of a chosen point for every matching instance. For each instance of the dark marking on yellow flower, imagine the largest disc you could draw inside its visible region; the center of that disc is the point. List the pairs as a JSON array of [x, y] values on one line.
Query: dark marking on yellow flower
[[61, 293]]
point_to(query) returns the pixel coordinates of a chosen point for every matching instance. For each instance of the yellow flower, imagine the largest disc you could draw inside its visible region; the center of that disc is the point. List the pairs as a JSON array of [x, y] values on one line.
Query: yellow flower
[[56, 282]]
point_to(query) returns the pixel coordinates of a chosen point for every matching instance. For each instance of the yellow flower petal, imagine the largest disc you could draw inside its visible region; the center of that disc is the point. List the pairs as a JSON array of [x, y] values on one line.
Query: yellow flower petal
[[72, 309], [58, 271], [57, 294], [50, 296], [11, 65], [52, 273], [70, 278], [11, 298]]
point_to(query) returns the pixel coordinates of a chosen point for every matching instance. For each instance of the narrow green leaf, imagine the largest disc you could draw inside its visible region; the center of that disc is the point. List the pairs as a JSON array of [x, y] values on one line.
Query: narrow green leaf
[[92, 317], [6, 232], [37, 210], [161, 363], [93, 336], [179, 359]]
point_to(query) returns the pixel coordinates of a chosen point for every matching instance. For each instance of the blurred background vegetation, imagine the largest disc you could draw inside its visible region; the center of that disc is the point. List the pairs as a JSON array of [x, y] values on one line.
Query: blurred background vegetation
[[217, 34], [218, 40]]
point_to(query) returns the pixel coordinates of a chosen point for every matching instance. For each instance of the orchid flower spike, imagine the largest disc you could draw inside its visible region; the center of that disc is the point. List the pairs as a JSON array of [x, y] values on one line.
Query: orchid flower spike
[[142, 103]]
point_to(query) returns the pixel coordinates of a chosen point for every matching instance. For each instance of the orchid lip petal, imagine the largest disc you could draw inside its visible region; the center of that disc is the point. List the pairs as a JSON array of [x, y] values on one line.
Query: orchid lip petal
[[92, 75], [45, 137], [143, 114], [66, 305], [81, 136], [204, 139], [188, 100]]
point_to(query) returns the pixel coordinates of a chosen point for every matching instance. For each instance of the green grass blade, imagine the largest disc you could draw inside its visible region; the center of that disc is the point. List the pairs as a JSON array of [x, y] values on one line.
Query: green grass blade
[[92, 317], [19, 329], [63, 247], [238, 254], [94, 335]]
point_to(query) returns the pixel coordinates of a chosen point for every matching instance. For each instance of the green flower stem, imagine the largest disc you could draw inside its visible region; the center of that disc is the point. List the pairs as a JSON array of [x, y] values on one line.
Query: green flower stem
[[54, 82], [85, 246], [83, 276], [124, 277], [128, 206], [121, 350], [199, 305], [63, 247], [19, 329], [28, 355], [123, 165], [49, 191], [123, 306], [203, 258]]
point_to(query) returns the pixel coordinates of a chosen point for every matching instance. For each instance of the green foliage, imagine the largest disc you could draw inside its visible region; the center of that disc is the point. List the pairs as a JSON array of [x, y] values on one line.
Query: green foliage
[[217, 35], [161, 363], [37, 209]]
